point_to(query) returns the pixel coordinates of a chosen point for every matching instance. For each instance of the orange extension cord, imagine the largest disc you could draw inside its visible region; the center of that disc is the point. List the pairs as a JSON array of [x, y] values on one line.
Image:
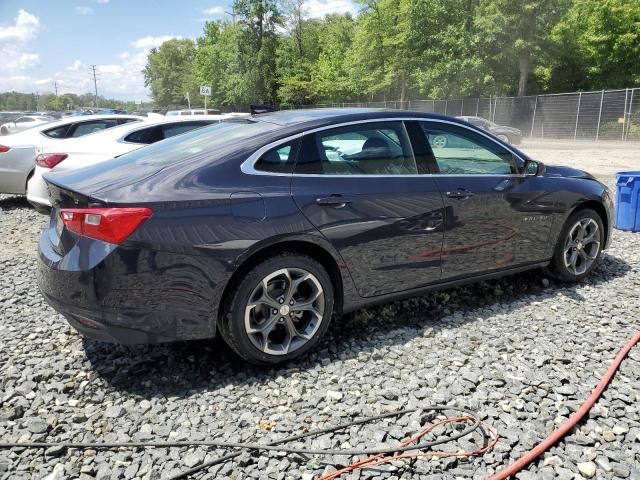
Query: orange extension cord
[[514, 468]]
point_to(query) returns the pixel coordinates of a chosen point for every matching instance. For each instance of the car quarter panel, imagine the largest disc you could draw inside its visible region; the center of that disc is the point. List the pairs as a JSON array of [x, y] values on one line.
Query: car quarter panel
[[15, 167]]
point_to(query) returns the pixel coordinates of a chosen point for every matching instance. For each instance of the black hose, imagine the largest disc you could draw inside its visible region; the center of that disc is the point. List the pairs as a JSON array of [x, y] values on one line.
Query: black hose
[[276, 445]]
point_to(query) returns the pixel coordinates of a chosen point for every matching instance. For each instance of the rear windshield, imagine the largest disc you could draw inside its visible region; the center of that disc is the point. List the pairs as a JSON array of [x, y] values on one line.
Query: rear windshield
[[197, 141]]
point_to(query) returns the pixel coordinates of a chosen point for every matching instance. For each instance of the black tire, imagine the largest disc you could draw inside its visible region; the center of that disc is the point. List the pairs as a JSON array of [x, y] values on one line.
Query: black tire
[[504, 137], [558, 267], [231, 325]]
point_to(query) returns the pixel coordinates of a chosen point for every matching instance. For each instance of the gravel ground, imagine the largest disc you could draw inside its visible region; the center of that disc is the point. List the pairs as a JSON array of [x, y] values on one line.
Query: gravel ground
[[524, 351]]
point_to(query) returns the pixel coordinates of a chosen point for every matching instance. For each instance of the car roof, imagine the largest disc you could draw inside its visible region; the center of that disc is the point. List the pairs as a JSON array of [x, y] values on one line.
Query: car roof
[[322, 116], [87, 118], [115, 133]]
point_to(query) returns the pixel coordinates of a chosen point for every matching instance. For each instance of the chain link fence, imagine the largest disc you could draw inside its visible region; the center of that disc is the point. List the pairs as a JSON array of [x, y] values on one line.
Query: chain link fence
[[598, 115]]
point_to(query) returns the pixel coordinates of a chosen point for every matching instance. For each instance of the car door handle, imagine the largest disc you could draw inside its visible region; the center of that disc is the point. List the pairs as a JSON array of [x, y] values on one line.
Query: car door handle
[[461, 194], [335, 201]]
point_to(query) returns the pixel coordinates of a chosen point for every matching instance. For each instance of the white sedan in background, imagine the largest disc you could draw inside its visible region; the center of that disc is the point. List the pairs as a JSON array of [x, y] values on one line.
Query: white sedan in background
[[101, 146], [18, 150], [24, 122]]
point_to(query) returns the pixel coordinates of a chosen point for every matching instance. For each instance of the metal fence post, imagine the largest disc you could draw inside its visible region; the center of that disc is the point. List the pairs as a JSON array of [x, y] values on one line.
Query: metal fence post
[[462, 107], [446, 105], [533, 120], [630, 105], [477, 106], [495, 107], [575, 131], [624, 111], [599, 115]]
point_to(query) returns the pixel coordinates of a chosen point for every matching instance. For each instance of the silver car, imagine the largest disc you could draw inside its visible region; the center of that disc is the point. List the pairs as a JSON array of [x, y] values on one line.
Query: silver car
[[22, 123], [17, 151]]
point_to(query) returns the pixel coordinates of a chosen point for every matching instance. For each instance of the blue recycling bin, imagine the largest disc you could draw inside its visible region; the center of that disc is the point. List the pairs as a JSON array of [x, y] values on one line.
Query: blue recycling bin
[[628, 201]]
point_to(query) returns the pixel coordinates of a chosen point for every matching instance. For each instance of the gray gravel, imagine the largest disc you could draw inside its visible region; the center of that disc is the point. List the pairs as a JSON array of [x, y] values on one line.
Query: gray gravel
[[524, 351]]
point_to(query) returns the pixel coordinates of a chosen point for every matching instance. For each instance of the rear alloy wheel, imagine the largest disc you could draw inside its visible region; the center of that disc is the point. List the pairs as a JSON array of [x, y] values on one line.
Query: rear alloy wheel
[[504, 138], [439, 141], [579, 247], [280, 310]]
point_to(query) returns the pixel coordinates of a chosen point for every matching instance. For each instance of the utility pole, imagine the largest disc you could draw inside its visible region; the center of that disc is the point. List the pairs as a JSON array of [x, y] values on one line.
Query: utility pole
[[55, 86], [95, 83], [232, 14]]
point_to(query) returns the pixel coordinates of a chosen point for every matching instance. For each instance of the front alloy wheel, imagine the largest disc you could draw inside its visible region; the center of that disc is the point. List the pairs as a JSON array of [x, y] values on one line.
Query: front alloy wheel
[[582, 246], [579, 246], [279, 310]]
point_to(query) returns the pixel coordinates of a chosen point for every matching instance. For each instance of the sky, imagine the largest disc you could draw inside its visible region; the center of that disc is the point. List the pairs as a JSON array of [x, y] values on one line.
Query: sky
[[47, 41]]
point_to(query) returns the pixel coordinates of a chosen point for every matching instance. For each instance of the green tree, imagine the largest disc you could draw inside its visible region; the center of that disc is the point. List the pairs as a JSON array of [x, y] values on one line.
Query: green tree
[[332, 73], [257, 45], [169, 72], [516, 32], [596, 45]]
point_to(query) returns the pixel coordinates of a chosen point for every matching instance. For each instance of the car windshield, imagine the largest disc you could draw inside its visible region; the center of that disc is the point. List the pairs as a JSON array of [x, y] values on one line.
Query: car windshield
[[197, 141]]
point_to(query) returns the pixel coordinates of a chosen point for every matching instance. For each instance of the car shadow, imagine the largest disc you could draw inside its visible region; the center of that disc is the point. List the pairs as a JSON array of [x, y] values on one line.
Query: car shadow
[[182, 369], [13, 202]]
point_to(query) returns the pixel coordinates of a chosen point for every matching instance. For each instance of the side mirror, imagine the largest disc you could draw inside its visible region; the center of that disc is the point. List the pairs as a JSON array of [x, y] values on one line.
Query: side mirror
[[533, 168]]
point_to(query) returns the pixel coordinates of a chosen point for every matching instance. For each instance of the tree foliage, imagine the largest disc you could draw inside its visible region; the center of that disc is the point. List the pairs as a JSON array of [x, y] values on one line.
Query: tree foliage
[[169, 72], [402, 49], [16, 101]]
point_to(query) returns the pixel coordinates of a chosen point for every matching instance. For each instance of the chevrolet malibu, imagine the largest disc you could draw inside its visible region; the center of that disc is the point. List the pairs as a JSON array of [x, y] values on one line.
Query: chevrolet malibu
[[264, 228]]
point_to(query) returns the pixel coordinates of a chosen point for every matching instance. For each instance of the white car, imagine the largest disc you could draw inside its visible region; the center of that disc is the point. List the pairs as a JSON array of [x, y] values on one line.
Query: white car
[[17, 151], [24, 122], [101, 146]]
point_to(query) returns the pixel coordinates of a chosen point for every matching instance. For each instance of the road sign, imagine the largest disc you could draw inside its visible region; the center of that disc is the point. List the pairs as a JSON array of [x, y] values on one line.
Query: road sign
[[206, 91], [138, 102]]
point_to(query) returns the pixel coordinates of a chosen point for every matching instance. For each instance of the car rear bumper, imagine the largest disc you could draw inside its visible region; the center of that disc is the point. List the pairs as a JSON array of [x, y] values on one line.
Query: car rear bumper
[[103, 294], [37, 192]]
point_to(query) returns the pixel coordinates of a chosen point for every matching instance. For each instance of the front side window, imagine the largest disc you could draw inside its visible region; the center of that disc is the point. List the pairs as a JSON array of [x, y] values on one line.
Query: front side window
[[25, 120], [459, 151], [278, 160], [380, 148]]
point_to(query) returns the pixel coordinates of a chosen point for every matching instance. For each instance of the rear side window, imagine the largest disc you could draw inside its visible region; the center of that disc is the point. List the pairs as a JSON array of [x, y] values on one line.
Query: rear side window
[[174, 129], [85, 128], [380, 148], [279, 159], [145, 135], [58, 132]]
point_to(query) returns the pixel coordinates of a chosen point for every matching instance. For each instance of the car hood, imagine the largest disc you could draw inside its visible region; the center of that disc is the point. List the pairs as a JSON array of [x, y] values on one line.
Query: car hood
[[568, 172], [503, 129]]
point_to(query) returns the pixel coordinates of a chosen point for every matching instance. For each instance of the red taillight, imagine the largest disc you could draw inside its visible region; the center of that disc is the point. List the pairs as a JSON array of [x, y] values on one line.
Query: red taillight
[[4, 149], [50, 160], [110, 225]]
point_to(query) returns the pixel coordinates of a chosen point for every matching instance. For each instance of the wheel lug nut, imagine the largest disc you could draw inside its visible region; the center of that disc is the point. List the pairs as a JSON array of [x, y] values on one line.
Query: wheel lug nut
[[275, 311], [291, 302], [281, 300], [281, 319]]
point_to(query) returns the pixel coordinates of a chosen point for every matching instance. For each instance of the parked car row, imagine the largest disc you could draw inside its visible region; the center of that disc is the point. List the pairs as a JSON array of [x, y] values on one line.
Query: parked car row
[[80, 141], [262, 228]]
